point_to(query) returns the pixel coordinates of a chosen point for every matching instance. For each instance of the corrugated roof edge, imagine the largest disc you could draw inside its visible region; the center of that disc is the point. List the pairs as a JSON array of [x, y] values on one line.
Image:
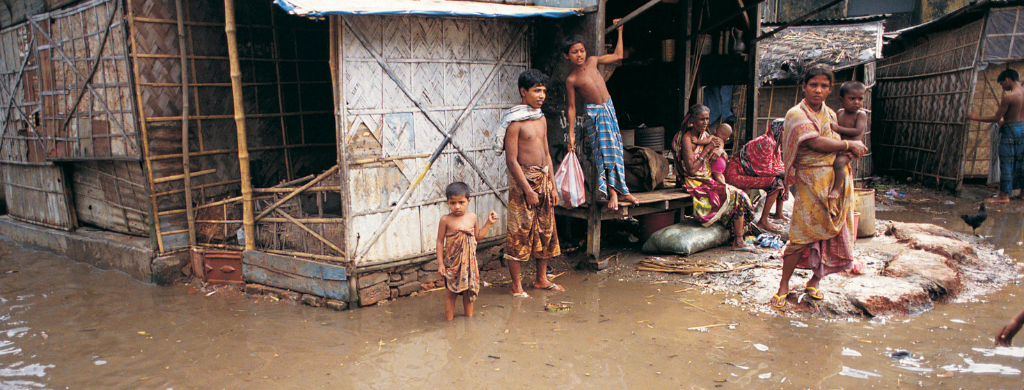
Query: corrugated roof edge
[[839, 21], [552, 12], [953, 18]]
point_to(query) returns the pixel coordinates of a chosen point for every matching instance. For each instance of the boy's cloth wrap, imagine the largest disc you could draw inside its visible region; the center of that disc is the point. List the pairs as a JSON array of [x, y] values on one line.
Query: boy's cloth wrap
[[607, 144], [461, 273], [531, 229], [1011, 156]]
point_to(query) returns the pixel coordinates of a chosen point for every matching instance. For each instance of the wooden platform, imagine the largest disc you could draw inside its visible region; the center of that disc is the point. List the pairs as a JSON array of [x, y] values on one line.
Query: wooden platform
[[650, 202]]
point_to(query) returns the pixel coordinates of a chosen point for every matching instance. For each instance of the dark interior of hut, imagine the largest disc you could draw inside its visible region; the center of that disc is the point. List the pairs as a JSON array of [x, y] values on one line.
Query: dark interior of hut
[[290, 125], [648, 85]]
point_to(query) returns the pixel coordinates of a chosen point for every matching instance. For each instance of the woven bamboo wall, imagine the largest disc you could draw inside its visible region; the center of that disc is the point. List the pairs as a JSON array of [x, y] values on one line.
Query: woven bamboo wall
[[21, 139], [774, 101], [85, 83], [286, 92], [987, 95], [921, 103], [443, 63]]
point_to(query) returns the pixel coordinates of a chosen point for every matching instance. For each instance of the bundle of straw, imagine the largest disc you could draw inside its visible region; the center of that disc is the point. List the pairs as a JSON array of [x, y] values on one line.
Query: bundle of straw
[[691, 268]]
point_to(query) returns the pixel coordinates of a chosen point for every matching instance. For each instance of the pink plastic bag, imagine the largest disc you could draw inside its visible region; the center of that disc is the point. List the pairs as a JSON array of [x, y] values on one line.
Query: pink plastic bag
[[569, 182]]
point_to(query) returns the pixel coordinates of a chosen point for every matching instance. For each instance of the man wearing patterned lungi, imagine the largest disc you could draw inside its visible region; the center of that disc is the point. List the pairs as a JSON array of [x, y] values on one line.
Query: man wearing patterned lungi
[[1011, 141], [588, 82]]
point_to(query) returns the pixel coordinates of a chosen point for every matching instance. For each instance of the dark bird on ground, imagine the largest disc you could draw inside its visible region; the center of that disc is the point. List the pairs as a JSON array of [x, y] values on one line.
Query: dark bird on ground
[[975, 220]]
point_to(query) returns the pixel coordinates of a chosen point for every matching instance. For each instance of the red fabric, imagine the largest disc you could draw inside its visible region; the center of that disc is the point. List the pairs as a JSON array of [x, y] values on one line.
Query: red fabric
[[735, 175]]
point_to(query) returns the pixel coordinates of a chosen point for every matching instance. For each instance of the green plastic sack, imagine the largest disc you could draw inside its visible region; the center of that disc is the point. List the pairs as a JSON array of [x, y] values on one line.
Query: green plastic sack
[[686, 238]]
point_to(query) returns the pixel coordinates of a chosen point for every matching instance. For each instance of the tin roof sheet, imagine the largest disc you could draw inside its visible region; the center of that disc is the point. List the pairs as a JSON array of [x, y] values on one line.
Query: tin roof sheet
[[321, 8]]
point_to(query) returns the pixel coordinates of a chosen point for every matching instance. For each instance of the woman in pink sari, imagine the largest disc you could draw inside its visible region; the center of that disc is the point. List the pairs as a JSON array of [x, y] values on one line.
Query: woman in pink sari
[[712, 201], [820, 236], [759, 166]]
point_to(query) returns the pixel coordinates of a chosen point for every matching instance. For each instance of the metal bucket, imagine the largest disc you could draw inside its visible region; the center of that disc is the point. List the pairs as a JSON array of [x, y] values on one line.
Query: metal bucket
[[651, 137]]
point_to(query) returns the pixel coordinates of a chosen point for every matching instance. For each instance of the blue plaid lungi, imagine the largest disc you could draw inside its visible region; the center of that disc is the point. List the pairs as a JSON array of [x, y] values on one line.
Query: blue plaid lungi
[[607, 144], [1011, 156]]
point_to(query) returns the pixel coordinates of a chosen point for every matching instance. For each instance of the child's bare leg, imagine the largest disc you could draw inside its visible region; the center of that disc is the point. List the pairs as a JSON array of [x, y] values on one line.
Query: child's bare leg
[[542, 281], [613, 200], [737, 234], [839, 166], [449, 305], [763, 222], [467, 304], [718, 177], [513, 270], [778, 207]]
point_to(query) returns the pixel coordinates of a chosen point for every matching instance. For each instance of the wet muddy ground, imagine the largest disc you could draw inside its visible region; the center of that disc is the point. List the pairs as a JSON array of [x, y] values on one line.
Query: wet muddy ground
[[68, 325]]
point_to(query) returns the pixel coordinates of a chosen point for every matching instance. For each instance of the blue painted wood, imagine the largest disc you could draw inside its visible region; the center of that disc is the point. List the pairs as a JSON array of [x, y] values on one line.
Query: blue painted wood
[[566, 3], [295, 274]]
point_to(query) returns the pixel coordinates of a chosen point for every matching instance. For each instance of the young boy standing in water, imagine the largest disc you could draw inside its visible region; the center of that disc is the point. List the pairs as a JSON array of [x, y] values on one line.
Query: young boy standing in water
[[531, 195], [605, 137], [457, 235], [853, 122]]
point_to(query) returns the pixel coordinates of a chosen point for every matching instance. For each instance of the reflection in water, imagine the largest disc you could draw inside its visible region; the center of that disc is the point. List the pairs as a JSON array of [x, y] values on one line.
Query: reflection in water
[[64, 324]]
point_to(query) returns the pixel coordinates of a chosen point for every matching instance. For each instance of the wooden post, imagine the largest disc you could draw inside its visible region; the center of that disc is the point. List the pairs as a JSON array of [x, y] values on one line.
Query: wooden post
[[684, 65], [243, 150], [754, 83], [185, 163]]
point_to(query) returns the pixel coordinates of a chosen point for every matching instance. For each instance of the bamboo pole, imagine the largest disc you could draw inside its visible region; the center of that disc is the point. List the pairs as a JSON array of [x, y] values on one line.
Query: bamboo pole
[[280, 190], [185, 161], [248, 225], [185, 176], [143, 129]]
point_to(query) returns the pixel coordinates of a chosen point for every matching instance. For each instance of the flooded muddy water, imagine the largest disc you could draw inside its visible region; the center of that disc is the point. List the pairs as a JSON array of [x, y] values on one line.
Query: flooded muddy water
[[68, 325]]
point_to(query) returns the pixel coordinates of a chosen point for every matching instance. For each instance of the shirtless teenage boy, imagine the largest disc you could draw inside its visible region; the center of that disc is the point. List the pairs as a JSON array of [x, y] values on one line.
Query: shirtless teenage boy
[[531, 195], [1011, 141], [588, 82], [853, 122]]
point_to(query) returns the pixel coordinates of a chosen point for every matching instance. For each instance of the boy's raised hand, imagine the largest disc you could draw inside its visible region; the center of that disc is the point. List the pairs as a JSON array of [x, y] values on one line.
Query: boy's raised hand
[[492, 217]]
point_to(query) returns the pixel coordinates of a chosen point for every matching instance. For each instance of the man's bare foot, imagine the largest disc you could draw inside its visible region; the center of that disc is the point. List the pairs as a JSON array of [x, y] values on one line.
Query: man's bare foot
[[769, 225], [631, 199], [551, 286], [780, 217], [613, 200], [1001, 198]]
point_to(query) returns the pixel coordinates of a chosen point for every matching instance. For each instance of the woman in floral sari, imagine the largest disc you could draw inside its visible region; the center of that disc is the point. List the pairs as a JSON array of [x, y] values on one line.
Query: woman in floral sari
[[820, 235], [712, 201], [759, 166]]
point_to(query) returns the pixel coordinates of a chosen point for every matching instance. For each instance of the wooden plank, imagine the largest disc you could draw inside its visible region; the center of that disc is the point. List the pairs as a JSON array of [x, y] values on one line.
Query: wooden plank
[[295, 274]]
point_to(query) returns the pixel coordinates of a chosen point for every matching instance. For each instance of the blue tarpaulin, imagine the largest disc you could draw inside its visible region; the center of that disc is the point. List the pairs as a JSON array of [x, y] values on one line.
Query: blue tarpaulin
[[321, 8]]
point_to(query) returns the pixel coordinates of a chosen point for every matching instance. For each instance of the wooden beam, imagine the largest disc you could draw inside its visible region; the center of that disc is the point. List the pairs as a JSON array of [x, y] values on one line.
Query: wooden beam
[[631, 15]]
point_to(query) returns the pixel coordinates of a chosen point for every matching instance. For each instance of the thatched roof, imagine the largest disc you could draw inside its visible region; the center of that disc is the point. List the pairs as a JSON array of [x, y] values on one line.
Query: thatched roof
[[785, 55]]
